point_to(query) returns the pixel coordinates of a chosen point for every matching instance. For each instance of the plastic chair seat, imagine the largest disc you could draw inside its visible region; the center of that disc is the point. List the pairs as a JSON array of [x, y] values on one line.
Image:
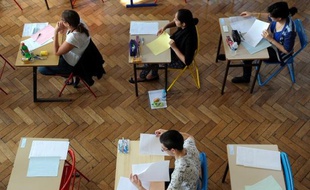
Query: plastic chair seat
[[289, 62]]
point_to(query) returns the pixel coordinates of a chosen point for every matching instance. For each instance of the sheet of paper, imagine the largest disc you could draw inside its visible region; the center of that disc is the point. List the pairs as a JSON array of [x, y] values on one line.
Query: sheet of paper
[[32, 45], [268, 183], [160, 44], [258, 158], [263, 44], [43, 167], [150, 145], [124, 183], [242, 24], [137, 28], [32, 28], [49, 149], [43, 35], [156, 171], [254, 35], [156, 100]]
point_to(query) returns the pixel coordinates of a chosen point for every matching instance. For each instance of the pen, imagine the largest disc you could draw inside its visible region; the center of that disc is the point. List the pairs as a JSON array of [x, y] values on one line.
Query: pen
[[38, 36]]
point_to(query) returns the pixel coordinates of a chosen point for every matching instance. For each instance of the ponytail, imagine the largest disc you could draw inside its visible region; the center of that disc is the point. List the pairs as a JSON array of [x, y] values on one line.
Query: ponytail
[[82, 29]]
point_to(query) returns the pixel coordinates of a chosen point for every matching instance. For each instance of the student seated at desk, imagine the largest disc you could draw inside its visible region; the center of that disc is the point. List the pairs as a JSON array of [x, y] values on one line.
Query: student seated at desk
[[71, 50], [187, 164], [281, 35], [183, 45]]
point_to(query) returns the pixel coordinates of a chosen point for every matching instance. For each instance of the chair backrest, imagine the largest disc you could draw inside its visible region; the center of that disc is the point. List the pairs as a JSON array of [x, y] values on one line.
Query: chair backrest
[[204, 172], [198, 43], [287, 171], [68, 173], [301, 33]]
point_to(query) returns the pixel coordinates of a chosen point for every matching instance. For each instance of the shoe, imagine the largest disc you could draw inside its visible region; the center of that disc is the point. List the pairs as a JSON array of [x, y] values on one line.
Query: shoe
[[221, 57], [240, 80], [152, 79], [76, 82], [131, 80], [69, 82]]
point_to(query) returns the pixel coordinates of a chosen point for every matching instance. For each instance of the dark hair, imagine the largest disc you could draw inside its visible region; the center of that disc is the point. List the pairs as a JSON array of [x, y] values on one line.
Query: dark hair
[[73, 18], [172, 139], [186, 16], [281, 10]]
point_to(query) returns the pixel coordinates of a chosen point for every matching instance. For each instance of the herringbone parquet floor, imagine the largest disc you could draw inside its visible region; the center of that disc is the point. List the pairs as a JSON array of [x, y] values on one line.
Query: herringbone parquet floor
[[278, 113]]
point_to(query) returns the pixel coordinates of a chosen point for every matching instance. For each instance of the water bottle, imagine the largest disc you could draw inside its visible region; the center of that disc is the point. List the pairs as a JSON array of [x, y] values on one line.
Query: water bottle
[[25, 51], [164, 95]]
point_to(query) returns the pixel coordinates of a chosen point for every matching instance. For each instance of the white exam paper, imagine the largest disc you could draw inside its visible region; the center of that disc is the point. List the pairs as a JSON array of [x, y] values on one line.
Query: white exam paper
[[49, 149], [143, 28], [242, 24], [254, 35], [124, 183], [43, 167], [156, 171], [258, 158], [149, 144], [32, 45], [32, 28]]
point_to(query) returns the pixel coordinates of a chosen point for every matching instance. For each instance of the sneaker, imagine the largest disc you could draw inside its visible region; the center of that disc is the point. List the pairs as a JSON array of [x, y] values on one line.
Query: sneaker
[[221, 57], [240, 80]]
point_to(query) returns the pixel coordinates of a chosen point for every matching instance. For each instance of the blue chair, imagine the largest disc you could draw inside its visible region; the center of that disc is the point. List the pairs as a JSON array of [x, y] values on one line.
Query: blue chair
[[203, 185], [303, 39], [287, 171]]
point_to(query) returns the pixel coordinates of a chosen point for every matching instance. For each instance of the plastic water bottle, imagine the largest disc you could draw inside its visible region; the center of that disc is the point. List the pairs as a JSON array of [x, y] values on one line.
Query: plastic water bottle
[[25, 51], [164, 95]]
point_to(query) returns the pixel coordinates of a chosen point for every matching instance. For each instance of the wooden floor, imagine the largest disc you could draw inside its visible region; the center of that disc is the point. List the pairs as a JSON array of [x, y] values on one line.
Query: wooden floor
[[278, 113]]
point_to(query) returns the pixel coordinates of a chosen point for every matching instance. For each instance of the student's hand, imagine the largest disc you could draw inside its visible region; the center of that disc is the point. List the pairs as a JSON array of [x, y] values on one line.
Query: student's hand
[[246, 14], [172, 44], [60, 27], [136, 181], [160, 31], [267, 35], [159, 132]]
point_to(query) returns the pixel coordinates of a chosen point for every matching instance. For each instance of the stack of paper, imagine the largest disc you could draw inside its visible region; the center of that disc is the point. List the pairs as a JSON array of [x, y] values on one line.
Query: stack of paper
[[268, 183], [44, 158], [137, 28], [259, 158]]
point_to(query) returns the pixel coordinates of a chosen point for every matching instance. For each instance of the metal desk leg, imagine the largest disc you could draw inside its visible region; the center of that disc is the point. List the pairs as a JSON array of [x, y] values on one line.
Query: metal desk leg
[[35, 92], [135, 78], [225, 173], [47, 5], [166, 77], [218, 49], [225, 77], [256, 74], [34, 73]]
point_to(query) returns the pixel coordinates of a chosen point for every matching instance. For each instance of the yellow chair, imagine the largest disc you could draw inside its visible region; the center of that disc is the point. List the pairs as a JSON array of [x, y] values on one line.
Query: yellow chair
[[193, 68]]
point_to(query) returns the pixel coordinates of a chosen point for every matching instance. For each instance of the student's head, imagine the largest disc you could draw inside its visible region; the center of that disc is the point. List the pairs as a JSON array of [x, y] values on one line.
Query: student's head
[[71, 17], [281, 10], [184, 18], [171, 140]]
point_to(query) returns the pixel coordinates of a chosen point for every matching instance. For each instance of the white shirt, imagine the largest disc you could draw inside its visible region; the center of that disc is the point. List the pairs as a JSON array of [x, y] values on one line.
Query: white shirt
[[186, 172], [80, 42]]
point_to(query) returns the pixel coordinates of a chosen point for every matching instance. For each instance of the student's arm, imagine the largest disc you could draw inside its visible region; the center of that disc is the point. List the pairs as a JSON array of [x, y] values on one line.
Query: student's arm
[[169, 25], [257, 15], [64, 47], [289, 41]]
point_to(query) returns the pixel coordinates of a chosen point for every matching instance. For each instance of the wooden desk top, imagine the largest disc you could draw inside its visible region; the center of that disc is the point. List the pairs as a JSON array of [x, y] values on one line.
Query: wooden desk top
[[242, 53], [147, 55], [52, 59], [241, 176], [19, 179], [125, 161]]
